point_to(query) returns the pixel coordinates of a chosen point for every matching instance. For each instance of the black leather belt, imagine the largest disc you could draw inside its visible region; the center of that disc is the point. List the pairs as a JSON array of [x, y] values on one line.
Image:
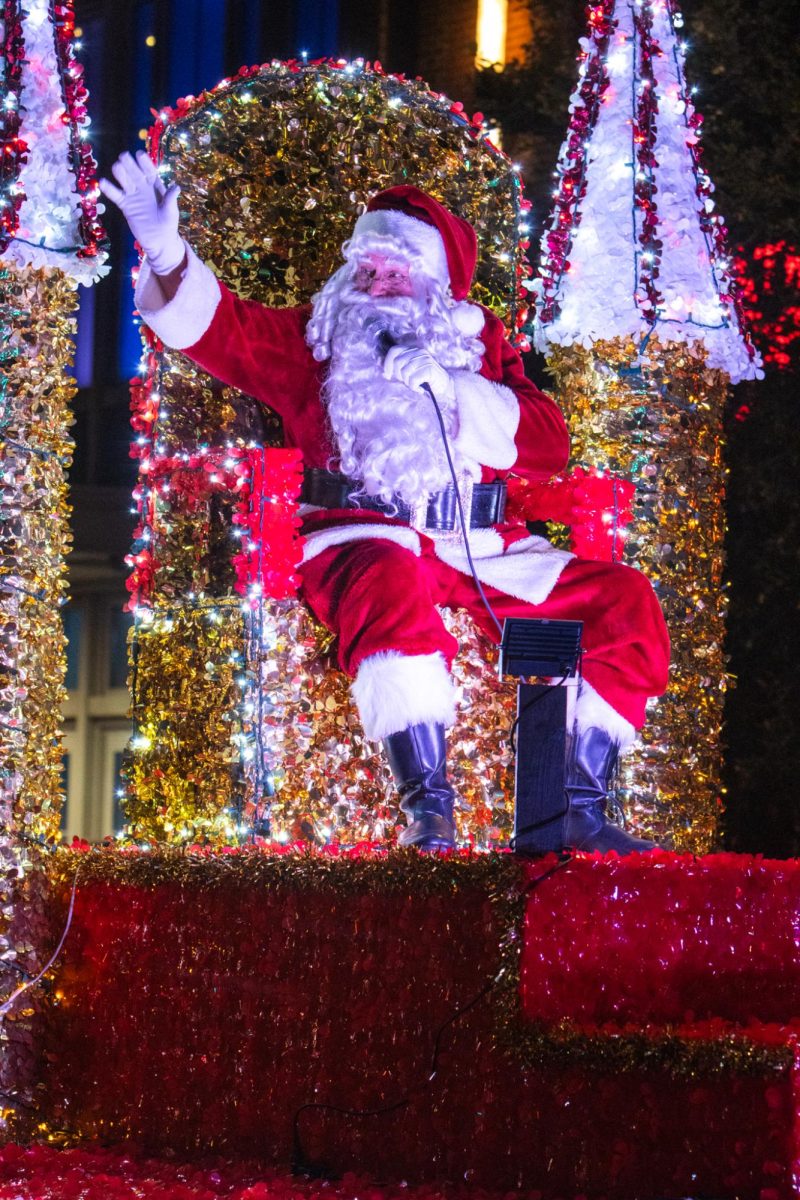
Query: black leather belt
[[329, 490]]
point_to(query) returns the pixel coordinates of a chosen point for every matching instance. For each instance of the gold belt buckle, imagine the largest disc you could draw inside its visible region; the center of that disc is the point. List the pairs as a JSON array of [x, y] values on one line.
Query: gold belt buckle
[[419, 514]]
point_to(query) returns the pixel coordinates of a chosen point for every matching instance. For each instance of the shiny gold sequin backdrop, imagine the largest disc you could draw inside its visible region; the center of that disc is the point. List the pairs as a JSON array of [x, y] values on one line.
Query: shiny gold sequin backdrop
[[274, 170], [657, 420], [36, 318]]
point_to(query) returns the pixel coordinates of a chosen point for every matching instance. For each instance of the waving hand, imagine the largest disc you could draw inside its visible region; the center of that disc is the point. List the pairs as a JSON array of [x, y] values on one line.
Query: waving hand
[[150, 209]]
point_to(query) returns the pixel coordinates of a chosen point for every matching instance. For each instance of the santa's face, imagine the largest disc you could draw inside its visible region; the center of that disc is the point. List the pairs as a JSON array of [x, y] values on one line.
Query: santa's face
[[381, 275]]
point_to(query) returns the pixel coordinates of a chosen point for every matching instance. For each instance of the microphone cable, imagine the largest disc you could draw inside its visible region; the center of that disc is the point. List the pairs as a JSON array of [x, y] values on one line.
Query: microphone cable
[[426, 387], [385, 341]]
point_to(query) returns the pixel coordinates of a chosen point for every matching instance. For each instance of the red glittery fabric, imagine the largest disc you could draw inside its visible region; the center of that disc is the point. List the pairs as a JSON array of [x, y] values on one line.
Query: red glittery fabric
[[46, 1173], [197, 1017], [664, 939]]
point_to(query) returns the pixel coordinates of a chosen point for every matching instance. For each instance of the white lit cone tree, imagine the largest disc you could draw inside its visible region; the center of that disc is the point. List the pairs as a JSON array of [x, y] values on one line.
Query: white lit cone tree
[[50, 241], [637, 313]]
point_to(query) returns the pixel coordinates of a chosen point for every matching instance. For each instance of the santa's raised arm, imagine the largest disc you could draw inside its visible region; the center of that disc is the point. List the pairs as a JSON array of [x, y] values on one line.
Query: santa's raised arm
[[347, 374]]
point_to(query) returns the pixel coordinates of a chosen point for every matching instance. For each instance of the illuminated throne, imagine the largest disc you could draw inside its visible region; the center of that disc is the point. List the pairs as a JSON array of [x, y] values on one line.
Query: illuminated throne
[[242, 723]]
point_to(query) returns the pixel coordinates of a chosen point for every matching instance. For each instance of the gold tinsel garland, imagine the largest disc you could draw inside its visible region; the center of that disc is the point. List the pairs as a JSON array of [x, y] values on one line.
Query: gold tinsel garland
[[194, 703], [36, 313], [182, 762], [36, 319], [274, 169], [656, 418], [627, 1050], [383, 871]]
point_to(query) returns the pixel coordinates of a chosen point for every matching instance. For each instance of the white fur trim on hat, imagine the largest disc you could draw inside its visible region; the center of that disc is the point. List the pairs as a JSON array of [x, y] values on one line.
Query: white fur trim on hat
[[488, 418], [424, 239], [393, 691], [181, 321]]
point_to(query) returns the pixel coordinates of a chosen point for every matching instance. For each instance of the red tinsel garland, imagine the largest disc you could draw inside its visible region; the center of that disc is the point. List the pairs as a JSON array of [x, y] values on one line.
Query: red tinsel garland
[[572, 160], [665, 940], [711, 222], [596, 507], [644, 127], [267, 518], [13, 151], [266, 483], [203, 999], [96, 1173], [76, 118], [572, 167]]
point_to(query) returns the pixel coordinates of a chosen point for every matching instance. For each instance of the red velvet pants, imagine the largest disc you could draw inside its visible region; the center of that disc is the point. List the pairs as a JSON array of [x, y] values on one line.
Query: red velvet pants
[[377, 596]]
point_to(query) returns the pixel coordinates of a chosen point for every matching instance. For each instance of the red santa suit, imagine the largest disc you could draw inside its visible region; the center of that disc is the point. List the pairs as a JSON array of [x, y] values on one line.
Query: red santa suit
[[376, 581]]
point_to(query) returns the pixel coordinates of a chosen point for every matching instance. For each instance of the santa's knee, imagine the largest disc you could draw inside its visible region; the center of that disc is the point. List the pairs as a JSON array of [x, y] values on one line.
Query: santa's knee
[[631, 607], [628, 592]]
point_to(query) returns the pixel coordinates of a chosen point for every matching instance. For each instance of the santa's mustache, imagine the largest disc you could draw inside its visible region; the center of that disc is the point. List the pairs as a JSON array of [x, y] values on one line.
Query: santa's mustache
[[380, 315]]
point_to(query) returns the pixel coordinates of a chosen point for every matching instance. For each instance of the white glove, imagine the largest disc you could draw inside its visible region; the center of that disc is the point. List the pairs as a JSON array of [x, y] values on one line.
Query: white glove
[[414, 367], [150, 209]]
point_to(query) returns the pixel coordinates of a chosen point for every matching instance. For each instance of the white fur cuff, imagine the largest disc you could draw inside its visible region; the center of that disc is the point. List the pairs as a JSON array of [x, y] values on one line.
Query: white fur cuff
[[393, 691], [182, 321], [488, 418], [528, 569], [339, 535], [591, 711]]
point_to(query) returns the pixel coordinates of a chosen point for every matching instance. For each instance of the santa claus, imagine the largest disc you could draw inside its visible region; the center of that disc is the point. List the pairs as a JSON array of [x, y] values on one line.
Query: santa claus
[[351, 375]]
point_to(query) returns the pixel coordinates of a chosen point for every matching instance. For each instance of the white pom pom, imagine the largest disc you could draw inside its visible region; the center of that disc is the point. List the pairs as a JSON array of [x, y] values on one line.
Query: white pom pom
[[468, 318]]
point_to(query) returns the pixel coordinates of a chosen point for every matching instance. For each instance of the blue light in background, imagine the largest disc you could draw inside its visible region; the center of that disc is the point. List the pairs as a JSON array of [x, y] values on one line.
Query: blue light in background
[[84, 338], [317, 28], [251, 30], [90, 57], [196, 42], [195, 62], [129, 346]]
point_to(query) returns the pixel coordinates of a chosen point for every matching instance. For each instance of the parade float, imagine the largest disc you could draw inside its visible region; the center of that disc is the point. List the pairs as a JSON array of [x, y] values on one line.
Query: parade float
[[254, 993]]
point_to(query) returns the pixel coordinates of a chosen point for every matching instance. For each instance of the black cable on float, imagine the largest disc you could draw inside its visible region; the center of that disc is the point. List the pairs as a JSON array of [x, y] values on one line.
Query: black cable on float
[[301, 1164]]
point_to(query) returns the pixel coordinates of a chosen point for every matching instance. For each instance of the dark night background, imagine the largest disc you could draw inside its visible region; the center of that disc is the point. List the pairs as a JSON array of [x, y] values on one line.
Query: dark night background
[[743, 57]]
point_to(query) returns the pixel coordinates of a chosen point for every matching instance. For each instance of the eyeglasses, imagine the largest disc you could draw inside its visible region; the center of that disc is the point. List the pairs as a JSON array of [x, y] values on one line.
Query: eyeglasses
[[384, 274]]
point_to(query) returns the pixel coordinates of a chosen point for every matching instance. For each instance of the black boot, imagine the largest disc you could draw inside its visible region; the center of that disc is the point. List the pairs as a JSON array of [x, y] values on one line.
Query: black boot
[[417, 758], [591, 762]]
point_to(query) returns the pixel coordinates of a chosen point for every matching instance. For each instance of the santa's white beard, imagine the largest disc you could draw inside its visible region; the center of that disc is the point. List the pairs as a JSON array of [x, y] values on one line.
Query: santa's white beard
[[387, 435]]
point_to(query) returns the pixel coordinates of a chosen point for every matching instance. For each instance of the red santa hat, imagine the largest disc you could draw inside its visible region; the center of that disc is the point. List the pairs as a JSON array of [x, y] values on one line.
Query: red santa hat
[[446, 243]]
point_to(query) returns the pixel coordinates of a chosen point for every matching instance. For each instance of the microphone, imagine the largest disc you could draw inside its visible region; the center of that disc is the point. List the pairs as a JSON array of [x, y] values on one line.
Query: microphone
[[384, 342]]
